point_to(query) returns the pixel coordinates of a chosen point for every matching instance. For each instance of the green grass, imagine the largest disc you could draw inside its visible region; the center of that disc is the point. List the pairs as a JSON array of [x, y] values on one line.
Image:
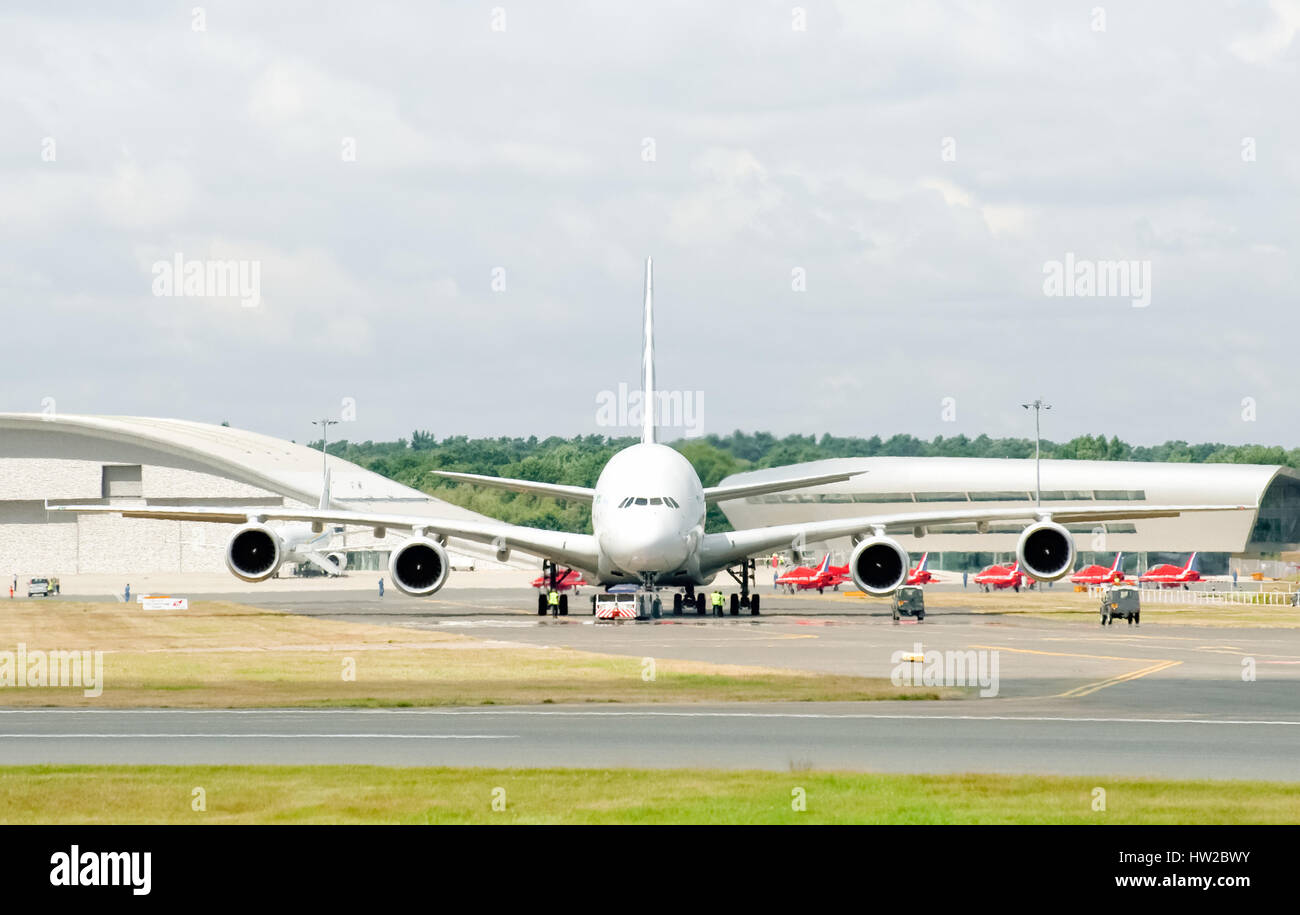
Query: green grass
[[224, 655], [372, 794]]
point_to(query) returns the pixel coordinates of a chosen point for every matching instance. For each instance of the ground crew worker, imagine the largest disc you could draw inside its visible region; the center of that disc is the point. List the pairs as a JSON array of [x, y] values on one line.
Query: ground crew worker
[[553, 601], [381, 587], [717, 602]]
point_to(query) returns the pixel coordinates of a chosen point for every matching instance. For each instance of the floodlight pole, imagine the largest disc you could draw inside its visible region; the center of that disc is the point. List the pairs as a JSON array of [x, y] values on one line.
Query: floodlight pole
[[324, 439], [1038, 405]]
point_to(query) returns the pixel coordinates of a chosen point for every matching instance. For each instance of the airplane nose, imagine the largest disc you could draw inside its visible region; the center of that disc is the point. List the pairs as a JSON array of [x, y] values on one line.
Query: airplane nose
[[646, 548]]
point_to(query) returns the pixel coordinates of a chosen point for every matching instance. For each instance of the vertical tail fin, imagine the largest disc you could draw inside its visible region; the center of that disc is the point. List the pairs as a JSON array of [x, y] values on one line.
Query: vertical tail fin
[[1191, 564], [648, 399], [920, 566], [325, 489], [1118, 557]]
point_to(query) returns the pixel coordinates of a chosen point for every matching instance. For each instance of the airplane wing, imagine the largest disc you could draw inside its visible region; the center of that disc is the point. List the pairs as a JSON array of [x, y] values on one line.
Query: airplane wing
[[568, 548], [558, 490], [722, 550], [742, 491]]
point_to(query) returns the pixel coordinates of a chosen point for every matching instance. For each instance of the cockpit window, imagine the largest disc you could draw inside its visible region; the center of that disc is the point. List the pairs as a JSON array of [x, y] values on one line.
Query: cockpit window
[[650, 500]]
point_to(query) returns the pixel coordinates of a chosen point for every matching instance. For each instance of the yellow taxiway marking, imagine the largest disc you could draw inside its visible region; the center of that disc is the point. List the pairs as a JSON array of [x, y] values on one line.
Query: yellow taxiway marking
[[1154, 666], [1209, 649], [1089, 688], [1123, 638], [1063, 654]]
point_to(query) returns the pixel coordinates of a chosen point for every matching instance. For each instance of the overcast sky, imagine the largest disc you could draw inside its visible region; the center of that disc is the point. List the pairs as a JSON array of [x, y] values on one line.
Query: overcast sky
[[916, 164]]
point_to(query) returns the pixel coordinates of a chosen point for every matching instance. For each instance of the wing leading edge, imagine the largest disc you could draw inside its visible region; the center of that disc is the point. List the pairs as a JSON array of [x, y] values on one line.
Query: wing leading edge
[[722, 550], [578, 550]]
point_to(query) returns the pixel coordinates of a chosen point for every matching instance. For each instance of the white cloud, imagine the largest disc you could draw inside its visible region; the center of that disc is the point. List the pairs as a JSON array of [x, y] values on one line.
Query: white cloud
[[1267, 44], [821, 150]]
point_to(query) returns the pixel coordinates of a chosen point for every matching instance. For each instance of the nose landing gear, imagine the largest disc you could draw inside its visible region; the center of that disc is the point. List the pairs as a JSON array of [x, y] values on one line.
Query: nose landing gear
[[648, 604], [744, 600]]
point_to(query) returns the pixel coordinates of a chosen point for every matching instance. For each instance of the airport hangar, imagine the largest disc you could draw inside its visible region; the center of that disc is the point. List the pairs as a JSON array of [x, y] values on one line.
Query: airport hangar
[[169, 462], [1239, 539]]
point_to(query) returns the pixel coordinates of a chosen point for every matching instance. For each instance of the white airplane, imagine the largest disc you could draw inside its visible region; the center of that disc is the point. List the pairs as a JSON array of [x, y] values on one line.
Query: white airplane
[[647, 518]]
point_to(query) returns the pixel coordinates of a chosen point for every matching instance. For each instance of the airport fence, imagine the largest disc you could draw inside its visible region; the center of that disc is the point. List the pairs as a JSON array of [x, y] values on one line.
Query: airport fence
[[1210, 596]]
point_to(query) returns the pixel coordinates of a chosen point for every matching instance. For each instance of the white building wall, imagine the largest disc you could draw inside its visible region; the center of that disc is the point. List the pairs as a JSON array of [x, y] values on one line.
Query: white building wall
[[181, 483], [28, 541], [24, 479]]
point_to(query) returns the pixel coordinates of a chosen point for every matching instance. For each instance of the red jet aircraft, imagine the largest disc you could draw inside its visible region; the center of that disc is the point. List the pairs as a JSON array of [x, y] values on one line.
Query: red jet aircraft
[[1171, 576], [1098, 574], [920, 575], [999, 577], [802, 578], [564, 580]]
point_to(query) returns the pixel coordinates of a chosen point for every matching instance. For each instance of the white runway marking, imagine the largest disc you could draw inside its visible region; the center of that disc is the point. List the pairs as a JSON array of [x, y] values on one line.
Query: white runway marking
[[848, 716], [168, 734]]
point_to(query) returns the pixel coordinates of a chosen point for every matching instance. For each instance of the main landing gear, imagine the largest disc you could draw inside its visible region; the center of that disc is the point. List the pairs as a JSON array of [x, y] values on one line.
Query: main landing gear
[[550, 573], [689, 599], [744, 600]]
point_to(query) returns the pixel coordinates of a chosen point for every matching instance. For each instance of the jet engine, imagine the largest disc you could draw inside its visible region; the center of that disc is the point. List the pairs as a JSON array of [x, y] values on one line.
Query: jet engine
[[1046, 551], [419, 566], [340, 560], [254, 552], [879, 566]]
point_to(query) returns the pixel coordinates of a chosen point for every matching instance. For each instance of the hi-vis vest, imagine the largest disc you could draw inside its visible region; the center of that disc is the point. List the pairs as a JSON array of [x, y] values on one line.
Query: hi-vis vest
[[717, 598], [553, 598]]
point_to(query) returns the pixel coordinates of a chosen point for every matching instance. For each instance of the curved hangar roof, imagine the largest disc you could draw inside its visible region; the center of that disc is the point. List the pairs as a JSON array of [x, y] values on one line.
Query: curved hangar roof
[[918, 483], [262, 461]]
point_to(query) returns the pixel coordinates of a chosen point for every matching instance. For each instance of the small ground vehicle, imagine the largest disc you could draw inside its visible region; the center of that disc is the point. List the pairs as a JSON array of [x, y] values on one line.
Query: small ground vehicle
[[1121, 602], [39, 587], [909, 601], [614, 606]]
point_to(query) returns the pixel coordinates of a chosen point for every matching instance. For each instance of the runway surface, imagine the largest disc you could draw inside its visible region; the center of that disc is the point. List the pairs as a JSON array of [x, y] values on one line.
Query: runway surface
[[1161, 700], [892, 737]]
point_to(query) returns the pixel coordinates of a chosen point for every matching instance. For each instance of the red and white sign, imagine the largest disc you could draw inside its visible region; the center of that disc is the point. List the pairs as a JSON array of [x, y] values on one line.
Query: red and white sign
[[159, 602]]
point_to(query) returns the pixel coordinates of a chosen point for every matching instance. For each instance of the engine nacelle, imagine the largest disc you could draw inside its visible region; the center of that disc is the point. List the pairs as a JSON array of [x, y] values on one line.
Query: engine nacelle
[[340, 560], [1046, 551], [254, 553], [419, 566], [879, 566]]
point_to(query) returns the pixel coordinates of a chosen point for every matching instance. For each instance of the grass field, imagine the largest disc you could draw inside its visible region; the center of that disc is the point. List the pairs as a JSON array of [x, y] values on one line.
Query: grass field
[[367, 794], [224, 655]]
